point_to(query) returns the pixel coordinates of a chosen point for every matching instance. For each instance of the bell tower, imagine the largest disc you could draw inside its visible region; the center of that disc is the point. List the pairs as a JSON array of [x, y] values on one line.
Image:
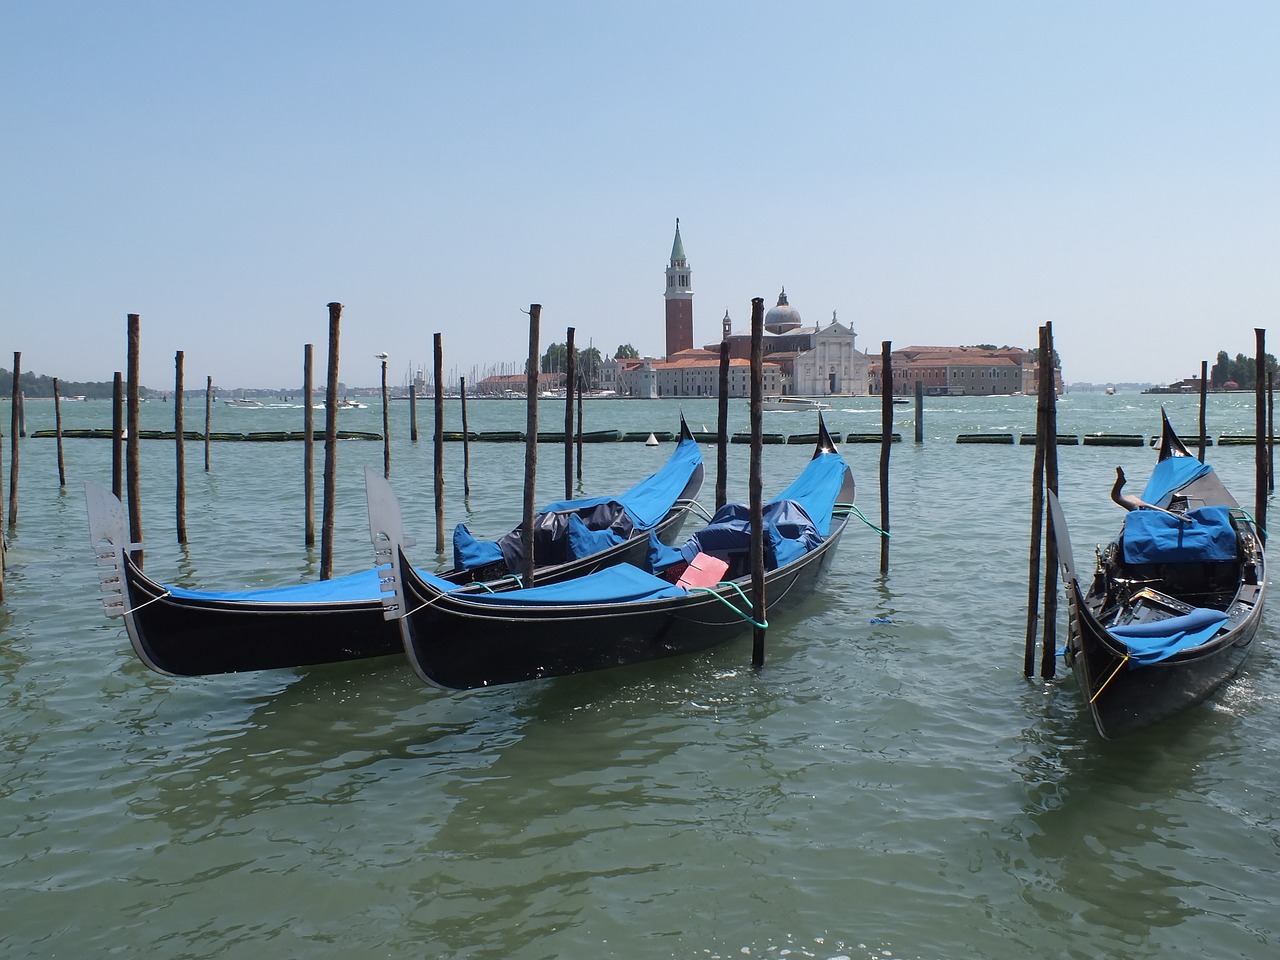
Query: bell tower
[[679, 297]]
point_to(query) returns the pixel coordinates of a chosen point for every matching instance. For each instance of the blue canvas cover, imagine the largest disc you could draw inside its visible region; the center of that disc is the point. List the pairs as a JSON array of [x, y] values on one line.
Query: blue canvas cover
[[469, 553], [352, 588], [795, 521], [1155, 641], [583, 541], [622, 583], [640, 508], [1171, 475], [817, 488], [1152, 536]]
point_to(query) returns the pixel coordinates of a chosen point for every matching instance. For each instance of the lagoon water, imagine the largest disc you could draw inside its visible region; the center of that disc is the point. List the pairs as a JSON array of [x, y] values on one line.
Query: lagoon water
[[888, 786]]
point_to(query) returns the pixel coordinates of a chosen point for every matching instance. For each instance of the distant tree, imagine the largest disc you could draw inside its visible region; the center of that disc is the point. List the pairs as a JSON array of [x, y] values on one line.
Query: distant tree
[[555, 360], [1034, 352], [984, 346], [1220, 372], [627, 352], [587, 362], [1242, 371]]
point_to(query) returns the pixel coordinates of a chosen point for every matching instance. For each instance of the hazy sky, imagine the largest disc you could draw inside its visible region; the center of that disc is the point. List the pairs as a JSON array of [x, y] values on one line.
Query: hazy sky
[[937, 172]]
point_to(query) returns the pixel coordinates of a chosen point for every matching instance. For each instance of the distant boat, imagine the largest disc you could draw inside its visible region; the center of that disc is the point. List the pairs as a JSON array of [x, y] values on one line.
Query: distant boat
[[351, 405], [1110, 391], [794, 403], [243, 402]]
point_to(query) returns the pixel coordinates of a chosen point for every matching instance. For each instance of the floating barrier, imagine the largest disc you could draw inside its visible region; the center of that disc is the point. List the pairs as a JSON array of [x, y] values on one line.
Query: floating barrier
[[985, 438], [590, 436], [1235, 441], [764, 438], [871, 438], [1114, 440], [642, 436], [1064, 440], [262, 436], [1192, 441]]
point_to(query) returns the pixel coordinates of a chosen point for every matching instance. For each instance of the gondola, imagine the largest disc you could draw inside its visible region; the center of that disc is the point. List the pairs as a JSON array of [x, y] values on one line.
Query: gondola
[[1175, 600], [184, 632], [628, 613]]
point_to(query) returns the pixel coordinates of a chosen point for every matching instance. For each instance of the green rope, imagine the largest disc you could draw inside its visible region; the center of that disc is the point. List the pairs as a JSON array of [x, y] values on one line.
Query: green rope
[[509, 576], [711, 592], [1245, 513], [853, 508]]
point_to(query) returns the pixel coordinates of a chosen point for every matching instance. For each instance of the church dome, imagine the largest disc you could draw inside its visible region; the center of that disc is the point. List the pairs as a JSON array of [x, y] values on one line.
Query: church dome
[[783, 317]]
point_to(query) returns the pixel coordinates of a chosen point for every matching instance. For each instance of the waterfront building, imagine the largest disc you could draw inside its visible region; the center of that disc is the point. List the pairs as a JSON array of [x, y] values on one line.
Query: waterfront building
[[813, 361], [961, 371]]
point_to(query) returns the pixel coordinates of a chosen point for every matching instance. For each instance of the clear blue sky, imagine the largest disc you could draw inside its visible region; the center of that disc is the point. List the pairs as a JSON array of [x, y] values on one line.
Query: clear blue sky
[[936, 172]]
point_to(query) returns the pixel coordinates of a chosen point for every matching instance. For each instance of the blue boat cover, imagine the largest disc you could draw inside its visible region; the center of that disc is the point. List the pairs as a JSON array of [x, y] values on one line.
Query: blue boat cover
[[796, 521], [817, 489], [1152, 536], [469, 553], [1171, 475], [640, 508], [1155, 641], [583, 541], [349, 589], [622, 583], [649, 500]]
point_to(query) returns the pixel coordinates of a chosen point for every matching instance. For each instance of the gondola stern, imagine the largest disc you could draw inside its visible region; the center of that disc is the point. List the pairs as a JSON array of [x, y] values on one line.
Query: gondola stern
[[109, 539], [1062, 539], [386, 532]]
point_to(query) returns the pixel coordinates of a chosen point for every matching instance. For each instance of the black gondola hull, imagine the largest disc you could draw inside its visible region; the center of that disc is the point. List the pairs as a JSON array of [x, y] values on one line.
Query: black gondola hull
[[196, 637], [1123, 700], [459, 645]]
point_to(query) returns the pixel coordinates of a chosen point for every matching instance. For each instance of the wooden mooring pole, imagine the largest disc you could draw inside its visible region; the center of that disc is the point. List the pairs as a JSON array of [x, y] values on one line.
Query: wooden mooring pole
[[886, 445], [466, 439], [530, 441], [1048, 647], [1271, 431], [386, 425], [179, 448], [571, 371], [1037, 516], [722, 429], [919, 411], [438, 443], [579, 429], [413, 407], [1260, 433], [208, 418], [1204, 396], [14, 432], [117, 436], [328, 509], [756, 489], [57, 428], [132, 464], [308, 450]]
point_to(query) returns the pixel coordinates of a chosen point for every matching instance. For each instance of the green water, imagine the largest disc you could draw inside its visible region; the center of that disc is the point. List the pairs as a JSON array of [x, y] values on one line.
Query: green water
[[888, 790]]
